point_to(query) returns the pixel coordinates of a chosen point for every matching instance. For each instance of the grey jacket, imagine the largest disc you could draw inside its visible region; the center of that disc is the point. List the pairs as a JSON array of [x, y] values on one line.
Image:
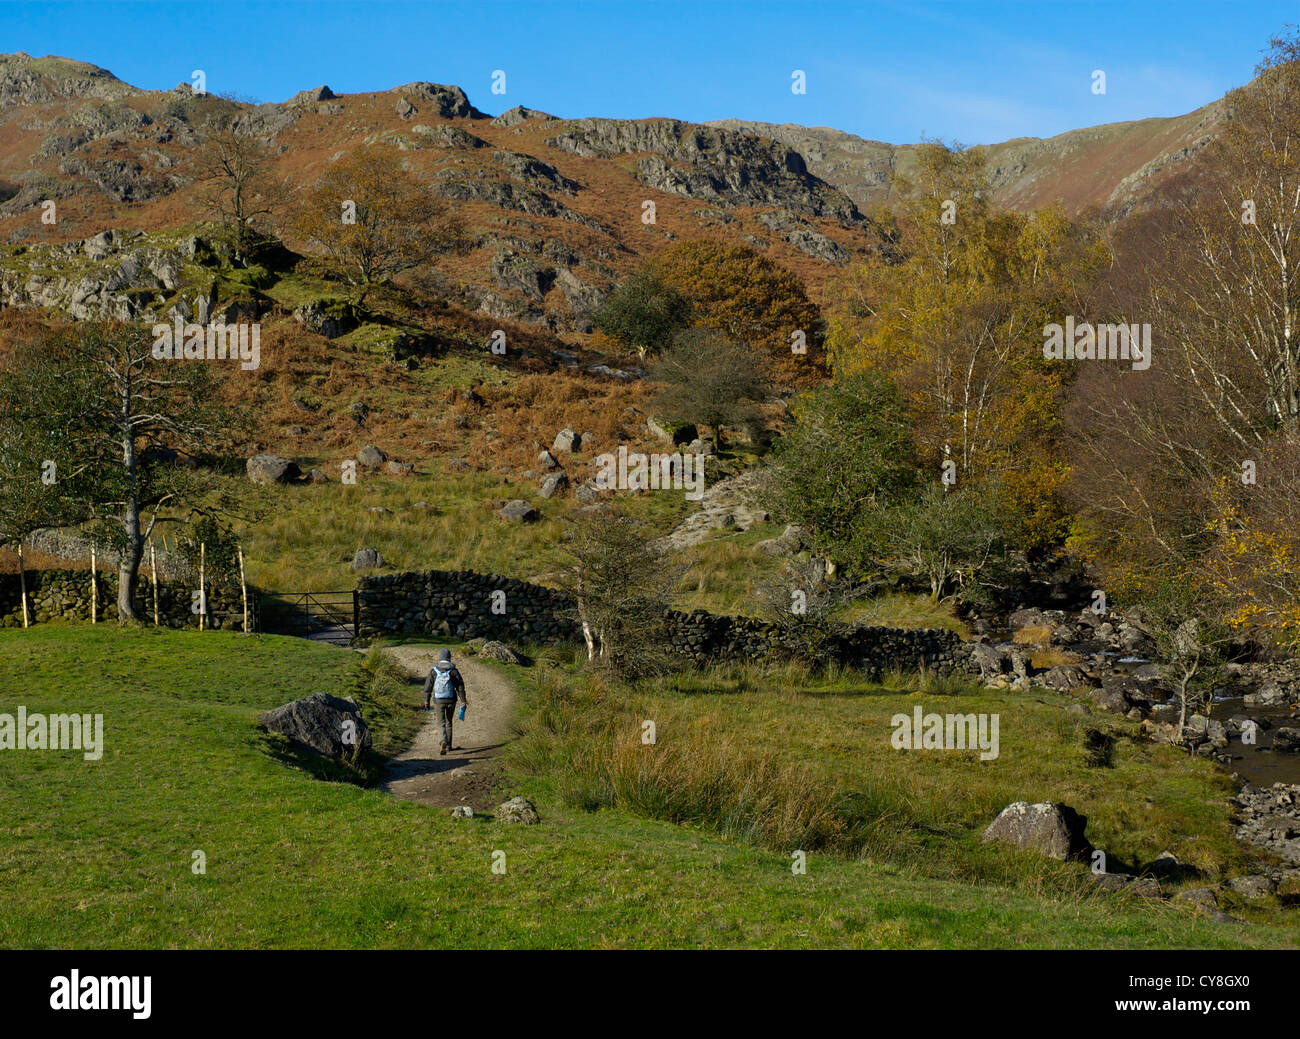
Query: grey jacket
[[457, 683]]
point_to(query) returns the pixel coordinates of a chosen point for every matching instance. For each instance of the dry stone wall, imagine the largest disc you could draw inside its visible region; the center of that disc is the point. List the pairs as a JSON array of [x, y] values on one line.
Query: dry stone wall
[[465, 605], [65, 595]]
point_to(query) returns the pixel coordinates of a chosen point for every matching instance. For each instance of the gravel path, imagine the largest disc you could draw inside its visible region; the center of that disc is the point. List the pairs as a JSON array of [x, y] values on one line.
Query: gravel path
[[468, 774]]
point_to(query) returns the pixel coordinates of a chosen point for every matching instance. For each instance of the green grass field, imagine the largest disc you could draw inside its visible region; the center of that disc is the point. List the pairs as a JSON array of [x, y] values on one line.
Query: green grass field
[[99, 854]]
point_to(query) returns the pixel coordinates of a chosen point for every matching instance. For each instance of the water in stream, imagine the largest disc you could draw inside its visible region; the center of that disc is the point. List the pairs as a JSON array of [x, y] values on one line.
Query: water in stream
[[1260, 765]]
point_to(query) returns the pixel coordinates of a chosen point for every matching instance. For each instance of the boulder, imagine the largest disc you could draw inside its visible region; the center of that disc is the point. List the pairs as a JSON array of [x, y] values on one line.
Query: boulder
[[400, 468], [1270, 694], [269, 469], [1049, 828], [547, 460], [462, 812], [566, 442], [792, 540], [1257, 886], [553, 484], [327, 724], [1063, 678], [1115, 883], [518, 511], [1287, 738], [317, 476], [495, 650], [518, 810], [1029, 618], [367, 559], [371, 457], [990, 660], [330, 318], [1200, 897]]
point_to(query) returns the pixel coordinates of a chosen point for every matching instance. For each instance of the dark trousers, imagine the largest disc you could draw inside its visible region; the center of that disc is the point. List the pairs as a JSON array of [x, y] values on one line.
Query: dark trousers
[[446, 714]]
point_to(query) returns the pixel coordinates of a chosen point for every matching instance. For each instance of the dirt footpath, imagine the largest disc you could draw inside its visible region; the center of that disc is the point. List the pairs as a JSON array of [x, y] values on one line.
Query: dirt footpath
[[467, 775]]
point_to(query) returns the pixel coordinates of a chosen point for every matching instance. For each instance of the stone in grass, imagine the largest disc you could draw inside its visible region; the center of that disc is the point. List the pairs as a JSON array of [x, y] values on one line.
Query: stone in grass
[[1113, 883], [518, 511], [462, 812], [518, 810], [326, 724], [1204, 902], [1049, 828], [269, 469], [400, 468], [371, 457], [494, 650], [1257, 886], [367, 559], [553, 484], [547, 460], [566, 441]]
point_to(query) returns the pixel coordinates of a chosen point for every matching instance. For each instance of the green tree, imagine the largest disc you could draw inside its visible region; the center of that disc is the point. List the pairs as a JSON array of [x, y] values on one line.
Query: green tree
[[847, 451], [622, 582], [96, 402], [949, 538], [644, 313]]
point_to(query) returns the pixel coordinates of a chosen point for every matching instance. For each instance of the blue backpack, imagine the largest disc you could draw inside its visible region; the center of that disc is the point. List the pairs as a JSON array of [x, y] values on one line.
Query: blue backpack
[[442, 687]]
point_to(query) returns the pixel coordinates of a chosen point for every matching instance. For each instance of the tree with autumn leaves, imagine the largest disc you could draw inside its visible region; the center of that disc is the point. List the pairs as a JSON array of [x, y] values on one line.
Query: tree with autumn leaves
[[957, 325], [729, 289], [374, 220]]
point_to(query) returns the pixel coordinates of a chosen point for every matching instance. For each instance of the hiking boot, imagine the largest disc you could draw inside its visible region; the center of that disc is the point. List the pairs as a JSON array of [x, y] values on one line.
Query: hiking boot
[[443, 752]]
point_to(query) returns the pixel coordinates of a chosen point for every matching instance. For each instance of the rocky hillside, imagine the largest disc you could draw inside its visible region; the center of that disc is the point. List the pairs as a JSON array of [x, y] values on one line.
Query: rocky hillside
[[1116, 167], [554, 208]]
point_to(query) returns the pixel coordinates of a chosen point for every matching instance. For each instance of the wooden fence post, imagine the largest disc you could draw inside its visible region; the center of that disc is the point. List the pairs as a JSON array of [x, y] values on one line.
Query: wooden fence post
[[243, 587], [203, 590], [22, 581], [153, 569], [94, 590]]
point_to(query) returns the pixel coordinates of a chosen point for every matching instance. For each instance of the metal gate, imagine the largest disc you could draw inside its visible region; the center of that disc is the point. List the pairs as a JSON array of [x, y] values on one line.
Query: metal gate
[[322, 616]]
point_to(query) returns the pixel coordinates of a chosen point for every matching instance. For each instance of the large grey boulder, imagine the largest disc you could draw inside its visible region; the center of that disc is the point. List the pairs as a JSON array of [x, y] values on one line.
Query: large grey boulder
[[518, 511], [553, 484], [371, 457], [330, 318], [792, 540], [1255, 886], [1049, 828], [449, 102], [270, 469], [326, 724], [1270, 694], [1064, 677], [367, 559], [495, 650], [566, 441], [518, 810]]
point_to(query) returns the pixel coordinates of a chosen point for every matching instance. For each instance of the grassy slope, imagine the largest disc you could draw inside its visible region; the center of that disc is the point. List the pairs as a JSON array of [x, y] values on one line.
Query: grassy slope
[[99, 853]]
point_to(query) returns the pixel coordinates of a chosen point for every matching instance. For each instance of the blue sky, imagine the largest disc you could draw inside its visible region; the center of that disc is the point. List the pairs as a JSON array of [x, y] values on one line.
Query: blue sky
[[972, 71]]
